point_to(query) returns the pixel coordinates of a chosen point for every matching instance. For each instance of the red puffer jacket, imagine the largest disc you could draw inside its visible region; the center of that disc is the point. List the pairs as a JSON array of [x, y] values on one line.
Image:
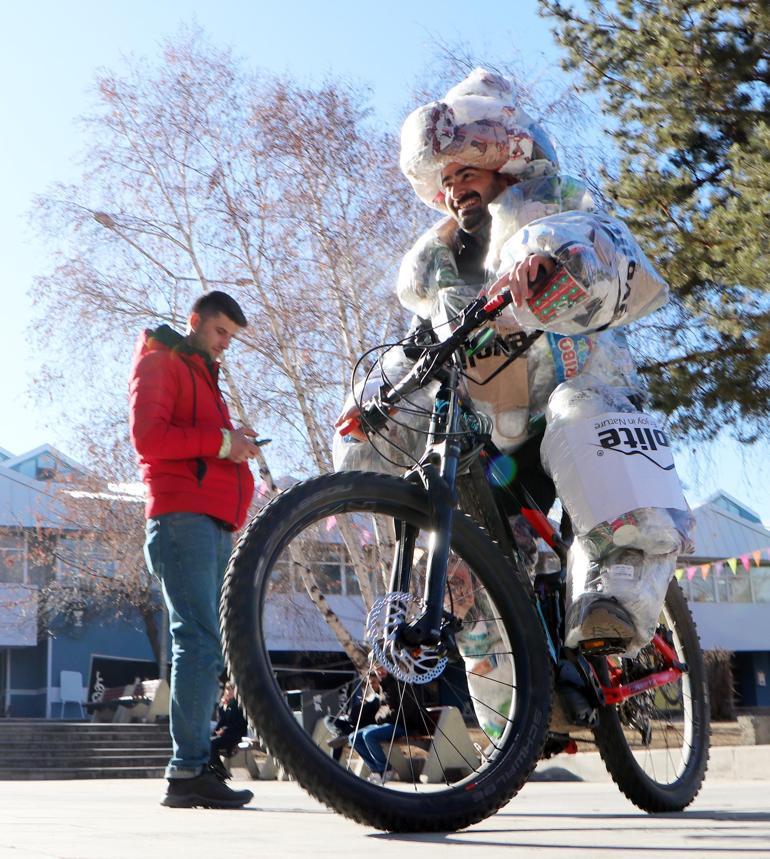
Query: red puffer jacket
[[176, 416]]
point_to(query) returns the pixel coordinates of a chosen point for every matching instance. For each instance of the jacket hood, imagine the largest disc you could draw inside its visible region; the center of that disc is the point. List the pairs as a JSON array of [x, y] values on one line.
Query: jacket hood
[[165, 337]]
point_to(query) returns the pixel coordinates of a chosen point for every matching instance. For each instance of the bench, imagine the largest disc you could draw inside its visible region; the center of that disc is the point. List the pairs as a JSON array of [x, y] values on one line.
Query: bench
[[103, 709], [142, 701], [445, 752], [259, 763]]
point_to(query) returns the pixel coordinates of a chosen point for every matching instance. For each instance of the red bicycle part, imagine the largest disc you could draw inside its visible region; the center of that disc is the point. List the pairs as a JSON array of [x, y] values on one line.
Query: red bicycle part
[[618, 691]]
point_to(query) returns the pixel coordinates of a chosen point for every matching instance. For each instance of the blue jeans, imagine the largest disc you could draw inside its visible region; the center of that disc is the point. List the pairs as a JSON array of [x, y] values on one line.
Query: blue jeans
[[367, 743], [188, 552]]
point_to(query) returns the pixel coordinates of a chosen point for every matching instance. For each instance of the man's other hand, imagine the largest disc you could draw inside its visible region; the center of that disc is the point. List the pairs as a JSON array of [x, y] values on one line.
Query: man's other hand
[[242, 444], [351, 414]]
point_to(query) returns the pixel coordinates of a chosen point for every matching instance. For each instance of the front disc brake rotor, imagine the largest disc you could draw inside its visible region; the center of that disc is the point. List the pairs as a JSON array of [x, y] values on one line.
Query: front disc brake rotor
[[419, 664]]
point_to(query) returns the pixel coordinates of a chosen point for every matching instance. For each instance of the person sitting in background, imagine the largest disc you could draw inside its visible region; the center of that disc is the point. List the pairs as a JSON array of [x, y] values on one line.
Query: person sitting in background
[[399, 714], [230, 727], [361, 710]]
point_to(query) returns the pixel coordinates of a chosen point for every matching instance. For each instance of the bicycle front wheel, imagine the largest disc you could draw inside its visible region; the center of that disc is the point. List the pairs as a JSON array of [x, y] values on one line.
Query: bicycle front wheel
[[655, 745], [292, 608]]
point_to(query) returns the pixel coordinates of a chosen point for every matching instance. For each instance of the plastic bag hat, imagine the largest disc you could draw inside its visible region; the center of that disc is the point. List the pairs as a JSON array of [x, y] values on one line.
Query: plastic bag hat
[[478, 124]]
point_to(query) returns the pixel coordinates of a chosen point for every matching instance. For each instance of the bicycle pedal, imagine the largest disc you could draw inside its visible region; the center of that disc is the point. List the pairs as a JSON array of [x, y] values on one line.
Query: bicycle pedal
[[602, 646]]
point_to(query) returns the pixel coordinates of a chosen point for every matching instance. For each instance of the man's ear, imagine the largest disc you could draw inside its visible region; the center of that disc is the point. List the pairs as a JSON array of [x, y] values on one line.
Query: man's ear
[[193, 322]]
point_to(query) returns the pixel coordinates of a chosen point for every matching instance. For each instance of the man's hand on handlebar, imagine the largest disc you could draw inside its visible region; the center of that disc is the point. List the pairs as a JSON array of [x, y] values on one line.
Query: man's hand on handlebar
[[349, 423], [525, 279]]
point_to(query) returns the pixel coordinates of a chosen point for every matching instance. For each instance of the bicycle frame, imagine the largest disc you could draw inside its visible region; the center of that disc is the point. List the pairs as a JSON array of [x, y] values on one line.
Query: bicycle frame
[[438, 470]]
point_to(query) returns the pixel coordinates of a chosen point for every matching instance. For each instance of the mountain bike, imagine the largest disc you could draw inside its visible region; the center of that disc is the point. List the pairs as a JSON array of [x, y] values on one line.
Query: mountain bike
[[456, 618]]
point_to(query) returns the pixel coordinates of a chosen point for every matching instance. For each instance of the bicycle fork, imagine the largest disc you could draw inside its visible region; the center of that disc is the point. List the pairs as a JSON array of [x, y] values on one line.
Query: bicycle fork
[[439, 471]]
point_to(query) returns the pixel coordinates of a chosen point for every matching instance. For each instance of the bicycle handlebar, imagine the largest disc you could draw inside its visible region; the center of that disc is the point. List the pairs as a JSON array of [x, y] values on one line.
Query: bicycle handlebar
[[374, 413]]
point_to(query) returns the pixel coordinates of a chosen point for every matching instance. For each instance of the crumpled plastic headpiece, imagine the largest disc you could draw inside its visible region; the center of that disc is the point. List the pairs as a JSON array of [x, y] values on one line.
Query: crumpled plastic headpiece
[[477, 123]]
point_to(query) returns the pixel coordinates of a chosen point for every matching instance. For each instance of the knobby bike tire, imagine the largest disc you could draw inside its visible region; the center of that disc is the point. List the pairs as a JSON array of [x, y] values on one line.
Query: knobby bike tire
[[669, 778], [245, 624]]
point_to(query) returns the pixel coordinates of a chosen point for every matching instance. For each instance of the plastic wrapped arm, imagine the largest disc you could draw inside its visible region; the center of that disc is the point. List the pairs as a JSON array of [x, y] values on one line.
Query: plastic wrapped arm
[[603, 278]]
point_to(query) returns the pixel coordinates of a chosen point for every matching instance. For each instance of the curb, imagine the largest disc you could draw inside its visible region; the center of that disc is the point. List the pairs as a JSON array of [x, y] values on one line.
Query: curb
[[726, 763]]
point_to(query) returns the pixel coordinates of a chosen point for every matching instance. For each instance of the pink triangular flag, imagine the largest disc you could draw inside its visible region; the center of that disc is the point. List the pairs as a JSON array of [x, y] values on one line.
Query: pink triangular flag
[[331, 522], [745, 562], [691, 573]]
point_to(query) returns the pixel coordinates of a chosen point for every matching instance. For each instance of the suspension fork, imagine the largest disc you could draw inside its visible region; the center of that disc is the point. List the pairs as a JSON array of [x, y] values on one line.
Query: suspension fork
[[444, 452]]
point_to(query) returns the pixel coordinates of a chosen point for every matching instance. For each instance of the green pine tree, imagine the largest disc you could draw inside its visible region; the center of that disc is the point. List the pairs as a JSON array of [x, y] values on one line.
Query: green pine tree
[[685, 86]]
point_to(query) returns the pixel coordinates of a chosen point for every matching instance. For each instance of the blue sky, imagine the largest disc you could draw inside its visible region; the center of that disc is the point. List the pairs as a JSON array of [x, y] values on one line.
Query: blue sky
[[49, 52]]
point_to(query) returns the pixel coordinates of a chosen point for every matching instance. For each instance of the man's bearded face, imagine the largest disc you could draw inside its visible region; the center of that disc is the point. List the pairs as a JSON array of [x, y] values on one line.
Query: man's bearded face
[[467, 193]]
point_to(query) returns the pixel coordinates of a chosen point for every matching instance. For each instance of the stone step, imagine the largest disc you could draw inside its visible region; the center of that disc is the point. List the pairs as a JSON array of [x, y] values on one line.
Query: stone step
[[66, 730], [53, 762], [113, 742], [9, 736], [28, 774], [52, 724], [66, 755], [31, 749]]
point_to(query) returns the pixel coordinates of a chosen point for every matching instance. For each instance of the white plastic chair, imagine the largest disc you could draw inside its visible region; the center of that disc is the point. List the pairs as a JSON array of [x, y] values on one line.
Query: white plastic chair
[[71, 690]]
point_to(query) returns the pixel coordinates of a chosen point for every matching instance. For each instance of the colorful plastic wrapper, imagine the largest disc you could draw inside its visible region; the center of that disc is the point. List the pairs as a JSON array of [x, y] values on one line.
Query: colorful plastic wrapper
[[614, 474], [602, 277], [489, 670], [477, 123]]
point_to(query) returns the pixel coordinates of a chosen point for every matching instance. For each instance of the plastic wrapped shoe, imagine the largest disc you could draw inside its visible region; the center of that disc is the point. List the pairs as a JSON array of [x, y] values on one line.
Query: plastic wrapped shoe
[[594, 618]]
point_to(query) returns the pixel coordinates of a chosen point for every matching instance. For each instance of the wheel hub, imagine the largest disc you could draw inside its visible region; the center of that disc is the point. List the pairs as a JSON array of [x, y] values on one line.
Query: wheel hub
[[419, 664]]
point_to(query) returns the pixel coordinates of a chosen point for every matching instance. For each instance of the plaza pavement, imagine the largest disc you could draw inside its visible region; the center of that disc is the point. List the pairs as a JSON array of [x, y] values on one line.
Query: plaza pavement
[[113, 819]]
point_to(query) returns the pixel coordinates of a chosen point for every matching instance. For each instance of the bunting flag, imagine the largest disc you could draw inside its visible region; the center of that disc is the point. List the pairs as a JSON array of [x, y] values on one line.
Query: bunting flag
[[331, 522], [716, 567]]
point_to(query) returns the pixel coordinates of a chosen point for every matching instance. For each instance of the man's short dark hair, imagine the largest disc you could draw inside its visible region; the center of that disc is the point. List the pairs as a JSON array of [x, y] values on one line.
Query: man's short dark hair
[[215, 302]]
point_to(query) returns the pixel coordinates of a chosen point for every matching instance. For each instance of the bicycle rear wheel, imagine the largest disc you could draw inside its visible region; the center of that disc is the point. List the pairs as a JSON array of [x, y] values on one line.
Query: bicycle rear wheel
[[655, 745], [492, 693]]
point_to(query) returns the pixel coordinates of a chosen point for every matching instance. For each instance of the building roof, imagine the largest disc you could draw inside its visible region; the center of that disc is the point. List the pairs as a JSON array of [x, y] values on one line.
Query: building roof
[[16, 462], [723, 530], [28, 503]]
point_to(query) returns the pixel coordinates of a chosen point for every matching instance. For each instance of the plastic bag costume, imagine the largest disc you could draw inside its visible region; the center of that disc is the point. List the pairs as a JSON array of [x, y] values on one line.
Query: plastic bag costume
[[610, 463]]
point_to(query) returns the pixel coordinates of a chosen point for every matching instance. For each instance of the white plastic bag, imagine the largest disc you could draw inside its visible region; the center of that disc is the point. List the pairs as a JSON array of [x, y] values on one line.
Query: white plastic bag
[[615, 476]]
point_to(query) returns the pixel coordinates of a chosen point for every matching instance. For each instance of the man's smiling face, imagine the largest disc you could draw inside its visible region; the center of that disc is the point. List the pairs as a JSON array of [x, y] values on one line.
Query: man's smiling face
[[467, 193]]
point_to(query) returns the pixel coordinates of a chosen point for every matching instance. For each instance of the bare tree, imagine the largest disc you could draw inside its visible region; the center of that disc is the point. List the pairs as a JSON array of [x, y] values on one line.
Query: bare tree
[[199, 173]]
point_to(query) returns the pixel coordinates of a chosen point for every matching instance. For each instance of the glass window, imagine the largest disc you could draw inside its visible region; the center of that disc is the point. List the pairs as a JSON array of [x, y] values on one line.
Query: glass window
[[702, 590], [734, 588], [83, 558], [760, 577], [12, 565]]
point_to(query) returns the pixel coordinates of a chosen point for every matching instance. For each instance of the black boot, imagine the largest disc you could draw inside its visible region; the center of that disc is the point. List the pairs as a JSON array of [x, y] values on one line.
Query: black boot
[[207, 790]]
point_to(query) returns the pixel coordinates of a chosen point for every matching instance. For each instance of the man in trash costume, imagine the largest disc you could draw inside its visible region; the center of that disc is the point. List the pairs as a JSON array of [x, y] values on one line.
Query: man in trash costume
[[511, 218]]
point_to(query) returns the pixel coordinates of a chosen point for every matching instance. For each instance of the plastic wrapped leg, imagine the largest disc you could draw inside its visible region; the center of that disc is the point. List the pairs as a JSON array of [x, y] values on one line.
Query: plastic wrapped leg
[[614, 473]]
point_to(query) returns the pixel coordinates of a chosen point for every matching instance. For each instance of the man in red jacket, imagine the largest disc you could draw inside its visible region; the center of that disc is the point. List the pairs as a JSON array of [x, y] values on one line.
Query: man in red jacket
[[194, 465]]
